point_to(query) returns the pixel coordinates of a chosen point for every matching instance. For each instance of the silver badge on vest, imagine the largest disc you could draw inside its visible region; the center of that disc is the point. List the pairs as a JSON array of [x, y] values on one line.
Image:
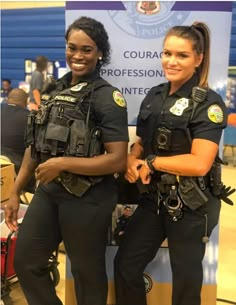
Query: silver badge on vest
[[78, 87]]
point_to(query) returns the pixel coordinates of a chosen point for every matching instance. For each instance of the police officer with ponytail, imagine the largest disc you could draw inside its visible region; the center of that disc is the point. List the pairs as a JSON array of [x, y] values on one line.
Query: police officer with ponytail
[[76, 142], [179, 127]]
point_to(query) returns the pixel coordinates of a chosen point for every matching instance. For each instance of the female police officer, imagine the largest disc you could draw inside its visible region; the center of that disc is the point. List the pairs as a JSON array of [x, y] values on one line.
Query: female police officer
[[179, 128], [77, 141]]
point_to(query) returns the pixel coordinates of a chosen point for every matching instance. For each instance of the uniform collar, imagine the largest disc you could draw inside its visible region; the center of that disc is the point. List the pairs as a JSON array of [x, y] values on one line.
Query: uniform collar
[[163, 89], [66, 79], [184, 91]]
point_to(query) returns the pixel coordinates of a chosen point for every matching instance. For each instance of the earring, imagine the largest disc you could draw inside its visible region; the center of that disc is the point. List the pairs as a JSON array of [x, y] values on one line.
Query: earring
[[100, 58]]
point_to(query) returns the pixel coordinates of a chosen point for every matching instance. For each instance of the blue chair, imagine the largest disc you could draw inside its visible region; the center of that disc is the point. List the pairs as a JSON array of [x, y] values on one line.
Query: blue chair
[[230, 140]]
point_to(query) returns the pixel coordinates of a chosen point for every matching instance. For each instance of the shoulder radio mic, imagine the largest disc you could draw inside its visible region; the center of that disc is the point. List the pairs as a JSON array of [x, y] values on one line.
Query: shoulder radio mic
[[199, 94]]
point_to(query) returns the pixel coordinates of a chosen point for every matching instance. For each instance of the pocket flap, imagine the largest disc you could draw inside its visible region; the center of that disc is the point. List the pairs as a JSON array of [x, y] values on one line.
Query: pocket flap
[[57, 132]]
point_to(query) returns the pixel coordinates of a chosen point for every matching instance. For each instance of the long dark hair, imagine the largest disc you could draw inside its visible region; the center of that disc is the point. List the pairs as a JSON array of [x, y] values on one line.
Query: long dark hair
[[199, 34]]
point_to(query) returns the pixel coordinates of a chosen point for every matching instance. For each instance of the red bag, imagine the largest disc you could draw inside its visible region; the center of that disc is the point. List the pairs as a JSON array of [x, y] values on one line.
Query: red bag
[[7, 259]]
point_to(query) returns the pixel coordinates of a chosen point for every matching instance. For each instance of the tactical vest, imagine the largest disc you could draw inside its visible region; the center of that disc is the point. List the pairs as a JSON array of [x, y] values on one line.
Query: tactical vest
[[64, 126]]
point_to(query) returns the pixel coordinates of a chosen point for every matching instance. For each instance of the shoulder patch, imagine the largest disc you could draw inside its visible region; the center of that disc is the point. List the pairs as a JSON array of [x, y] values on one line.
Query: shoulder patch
[[215, 114], [119, 99]]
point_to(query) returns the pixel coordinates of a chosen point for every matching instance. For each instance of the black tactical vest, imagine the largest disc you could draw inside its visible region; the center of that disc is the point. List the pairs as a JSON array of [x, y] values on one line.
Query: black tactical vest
[[62, 126]]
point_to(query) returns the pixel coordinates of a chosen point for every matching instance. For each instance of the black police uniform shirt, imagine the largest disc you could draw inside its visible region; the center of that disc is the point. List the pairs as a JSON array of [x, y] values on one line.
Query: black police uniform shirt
[[174, 112], [108, 109]]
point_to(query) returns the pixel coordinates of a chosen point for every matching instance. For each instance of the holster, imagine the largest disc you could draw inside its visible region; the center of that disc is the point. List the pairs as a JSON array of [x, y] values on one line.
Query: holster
[[190, 193], [77, 184], [215, 178]]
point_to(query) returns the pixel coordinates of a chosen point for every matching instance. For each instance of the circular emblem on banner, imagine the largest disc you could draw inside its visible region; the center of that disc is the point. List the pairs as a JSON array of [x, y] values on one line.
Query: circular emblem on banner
[[148, 19], [148, 7], [215, 114], [148, 282], [119, 99]]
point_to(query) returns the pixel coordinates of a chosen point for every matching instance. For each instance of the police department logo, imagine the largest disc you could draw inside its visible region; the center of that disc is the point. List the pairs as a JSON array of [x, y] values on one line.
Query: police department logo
[[215, 114], [119, 99], [148, 7], [148, 282], [148, 19]]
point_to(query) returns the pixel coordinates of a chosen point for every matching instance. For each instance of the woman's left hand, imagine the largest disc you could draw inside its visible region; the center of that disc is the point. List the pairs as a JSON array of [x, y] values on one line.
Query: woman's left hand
[[48, 170]]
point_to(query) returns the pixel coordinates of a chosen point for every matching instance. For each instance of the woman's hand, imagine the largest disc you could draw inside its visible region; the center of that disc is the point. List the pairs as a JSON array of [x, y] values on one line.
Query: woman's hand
[[48, 170], [145, 174], [133, 166], [11, 208]]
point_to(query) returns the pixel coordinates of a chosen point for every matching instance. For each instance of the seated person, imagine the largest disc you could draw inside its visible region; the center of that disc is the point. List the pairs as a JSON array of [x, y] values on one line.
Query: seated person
[[13, 120]]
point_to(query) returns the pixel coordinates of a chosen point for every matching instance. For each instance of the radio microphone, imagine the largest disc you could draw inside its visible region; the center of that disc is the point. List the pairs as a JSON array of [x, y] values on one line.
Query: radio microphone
[[199, 94]]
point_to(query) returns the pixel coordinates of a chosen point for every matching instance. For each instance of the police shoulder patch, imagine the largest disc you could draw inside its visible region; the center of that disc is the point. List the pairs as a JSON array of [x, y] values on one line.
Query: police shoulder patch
[[215, 113], [119, 99]]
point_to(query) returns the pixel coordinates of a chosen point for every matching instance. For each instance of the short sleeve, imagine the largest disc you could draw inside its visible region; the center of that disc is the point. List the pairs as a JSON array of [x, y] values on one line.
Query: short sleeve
[[110, 109], [210, 118], [37, 81]]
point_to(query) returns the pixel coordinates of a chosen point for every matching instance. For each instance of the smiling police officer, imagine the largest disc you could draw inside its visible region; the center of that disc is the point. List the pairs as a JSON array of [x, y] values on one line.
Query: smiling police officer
[[76, 142], [179, 127]]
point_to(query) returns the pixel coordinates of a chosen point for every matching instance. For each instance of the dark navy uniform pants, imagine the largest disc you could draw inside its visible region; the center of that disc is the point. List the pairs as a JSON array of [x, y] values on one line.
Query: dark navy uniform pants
[[82, 223], [144, 235]]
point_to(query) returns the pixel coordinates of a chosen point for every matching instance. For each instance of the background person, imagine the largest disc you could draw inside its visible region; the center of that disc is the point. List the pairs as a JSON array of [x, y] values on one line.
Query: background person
[[179, 128], [37, 82], [13, 123], [79, 141], [6, 88], [121, 224]]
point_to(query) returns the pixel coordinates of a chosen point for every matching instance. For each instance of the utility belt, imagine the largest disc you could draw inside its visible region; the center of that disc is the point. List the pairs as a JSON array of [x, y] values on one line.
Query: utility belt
[[175, 193]]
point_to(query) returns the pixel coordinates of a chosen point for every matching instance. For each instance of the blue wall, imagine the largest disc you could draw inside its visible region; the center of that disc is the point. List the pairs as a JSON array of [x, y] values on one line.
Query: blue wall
[[27, 33], [232, 55]]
